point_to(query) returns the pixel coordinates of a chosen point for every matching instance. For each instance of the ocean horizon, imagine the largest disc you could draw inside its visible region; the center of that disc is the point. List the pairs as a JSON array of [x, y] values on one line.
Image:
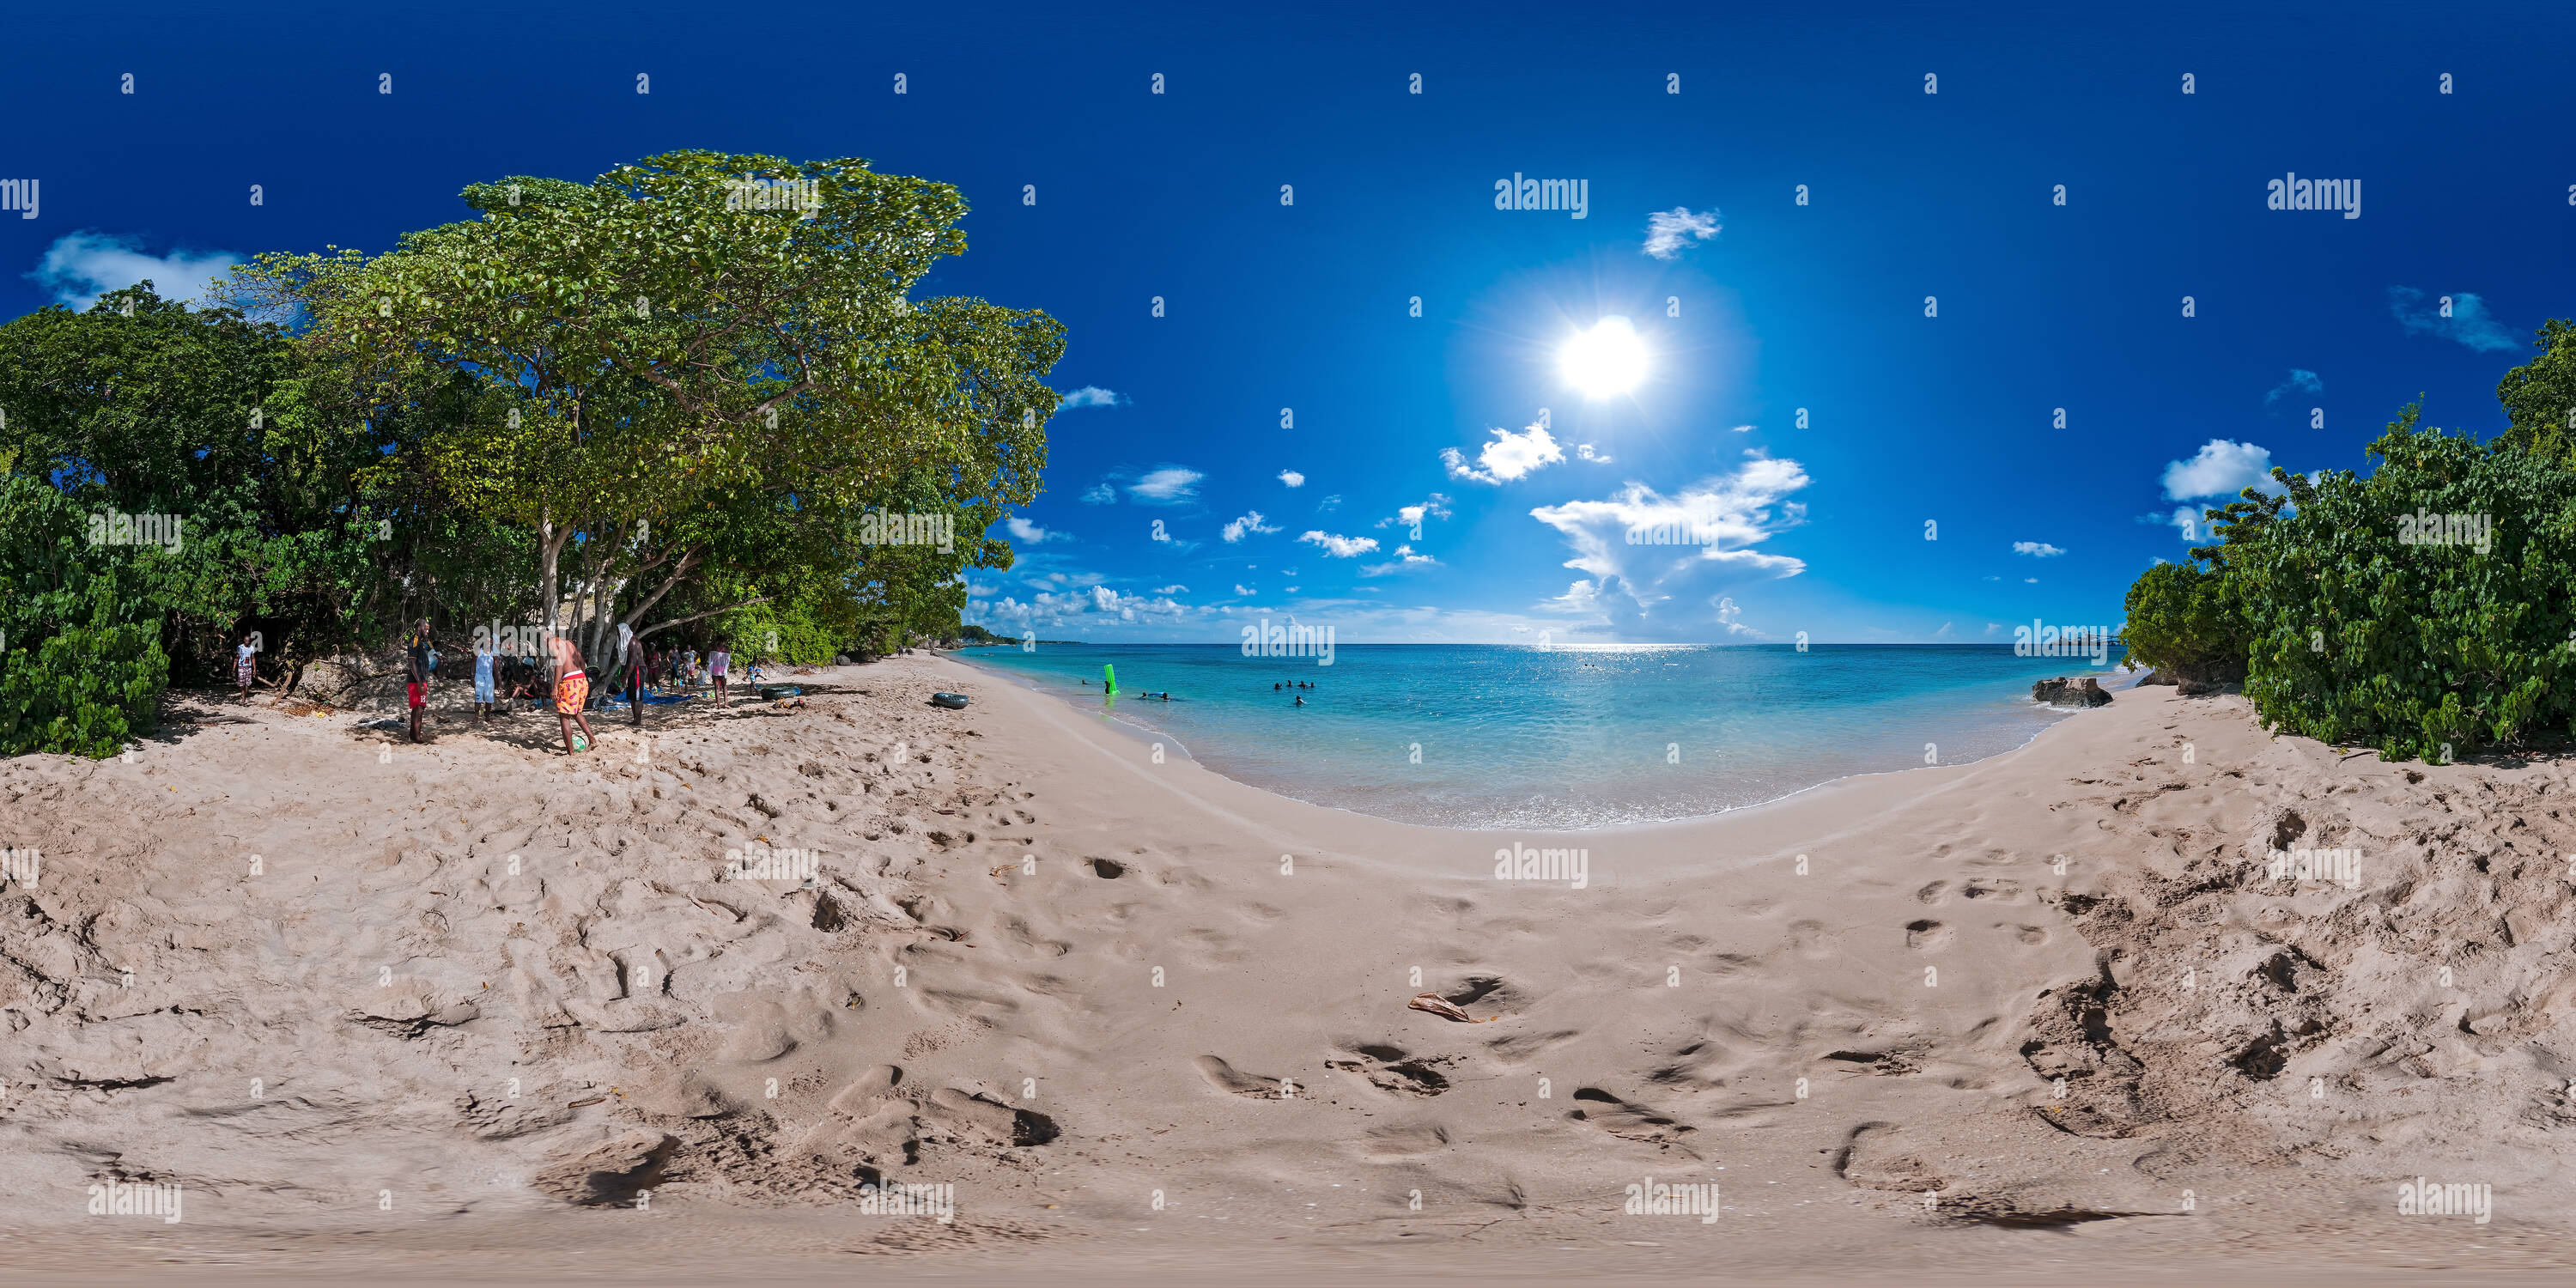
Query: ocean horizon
[[1505, 737]]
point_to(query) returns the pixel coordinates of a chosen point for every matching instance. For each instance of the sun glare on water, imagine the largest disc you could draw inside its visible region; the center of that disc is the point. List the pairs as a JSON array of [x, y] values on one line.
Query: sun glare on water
[[1606, 361]]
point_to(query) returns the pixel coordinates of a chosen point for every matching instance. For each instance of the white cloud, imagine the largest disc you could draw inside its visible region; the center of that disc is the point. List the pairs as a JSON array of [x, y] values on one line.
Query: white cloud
[[1730, 617], [1670, 232], [1089, 396], [1508, 457], [1250, 522], [2469, 322], [1404, 558], [81, 266], [1435, 506], [2040, 549], [1744, 429], [1169, 485], [1292, 478], [1340, 547], [1585, 451], [1992, 627], [2301, 381], [1101, 493], [1092, 604], [1329, 504], [1023, 530], [1241, 589], [2222, 468], [1670, 590], [1175, 589]]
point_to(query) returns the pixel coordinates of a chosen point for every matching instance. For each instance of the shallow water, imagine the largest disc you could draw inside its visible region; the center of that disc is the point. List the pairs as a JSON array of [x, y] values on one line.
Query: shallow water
[[1505, 736]]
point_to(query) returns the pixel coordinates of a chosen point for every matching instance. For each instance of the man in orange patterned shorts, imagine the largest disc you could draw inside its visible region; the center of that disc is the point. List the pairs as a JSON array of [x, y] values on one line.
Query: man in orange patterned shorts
[[572, 693]]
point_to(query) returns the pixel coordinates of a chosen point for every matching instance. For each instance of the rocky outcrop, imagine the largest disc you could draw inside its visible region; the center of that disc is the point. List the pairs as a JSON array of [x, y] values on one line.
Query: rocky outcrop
[[2064, 692]]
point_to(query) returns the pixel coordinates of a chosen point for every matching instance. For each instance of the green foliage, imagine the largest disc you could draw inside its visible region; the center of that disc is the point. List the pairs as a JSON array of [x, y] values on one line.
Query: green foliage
[[145, 406], [2539, 396], [2181, 623], [2415, 649], [81, 666]]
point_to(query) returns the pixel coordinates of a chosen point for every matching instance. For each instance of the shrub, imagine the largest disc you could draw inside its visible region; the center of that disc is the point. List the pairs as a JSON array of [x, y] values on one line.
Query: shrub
[[2181, 623], [2430, 650], [81, 664]]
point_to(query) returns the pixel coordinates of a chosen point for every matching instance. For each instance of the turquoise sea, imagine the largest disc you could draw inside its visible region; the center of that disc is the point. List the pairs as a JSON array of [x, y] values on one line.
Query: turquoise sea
[[1508, 736]]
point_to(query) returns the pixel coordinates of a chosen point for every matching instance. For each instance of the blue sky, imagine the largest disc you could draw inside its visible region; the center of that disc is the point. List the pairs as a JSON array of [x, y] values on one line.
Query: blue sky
[[2300, 315]]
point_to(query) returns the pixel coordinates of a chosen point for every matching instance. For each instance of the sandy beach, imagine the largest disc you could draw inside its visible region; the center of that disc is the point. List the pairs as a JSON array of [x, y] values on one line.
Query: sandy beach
[[476, 1009]]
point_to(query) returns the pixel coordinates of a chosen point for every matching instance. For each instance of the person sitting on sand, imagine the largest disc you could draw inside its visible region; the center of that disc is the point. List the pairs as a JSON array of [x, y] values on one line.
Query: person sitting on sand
[[572, 691], [245, 664]]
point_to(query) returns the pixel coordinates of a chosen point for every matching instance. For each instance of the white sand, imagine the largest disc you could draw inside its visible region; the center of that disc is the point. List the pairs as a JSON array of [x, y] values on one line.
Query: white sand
[[387, 976]]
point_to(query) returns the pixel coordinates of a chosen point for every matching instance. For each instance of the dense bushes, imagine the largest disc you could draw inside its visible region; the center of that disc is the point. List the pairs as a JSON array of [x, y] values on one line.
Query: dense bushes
[[2181, 623], [2427, 610], [81, 666]]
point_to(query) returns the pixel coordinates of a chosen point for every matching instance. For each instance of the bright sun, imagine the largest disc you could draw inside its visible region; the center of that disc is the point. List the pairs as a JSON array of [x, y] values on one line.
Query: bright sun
[[1605, 361]]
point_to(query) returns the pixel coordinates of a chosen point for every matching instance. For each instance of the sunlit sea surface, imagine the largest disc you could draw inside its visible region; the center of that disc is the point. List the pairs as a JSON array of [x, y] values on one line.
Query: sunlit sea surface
[[1505, 736]]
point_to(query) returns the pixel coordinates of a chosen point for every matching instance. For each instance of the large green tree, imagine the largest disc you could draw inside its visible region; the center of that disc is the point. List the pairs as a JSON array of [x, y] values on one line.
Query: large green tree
[[642, 369]]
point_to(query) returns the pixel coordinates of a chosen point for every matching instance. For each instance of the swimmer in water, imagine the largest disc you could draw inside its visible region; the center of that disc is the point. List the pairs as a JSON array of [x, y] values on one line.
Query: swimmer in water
[[1301, 699]]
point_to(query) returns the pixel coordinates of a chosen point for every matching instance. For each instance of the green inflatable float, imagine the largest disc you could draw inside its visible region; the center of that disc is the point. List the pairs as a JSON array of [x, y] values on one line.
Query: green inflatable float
[[1109, 678]]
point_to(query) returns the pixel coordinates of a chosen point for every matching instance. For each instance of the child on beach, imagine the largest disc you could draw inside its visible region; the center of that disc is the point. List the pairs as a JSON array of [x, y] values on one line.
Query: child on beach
[[245, 667], [416, 677], [483, 660]]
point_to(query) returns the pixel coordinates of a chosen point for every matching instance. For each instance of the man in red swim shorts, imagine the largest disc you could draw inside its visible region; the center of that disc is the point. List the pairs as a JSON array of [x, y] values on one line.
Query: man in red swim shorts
[[572, 693]]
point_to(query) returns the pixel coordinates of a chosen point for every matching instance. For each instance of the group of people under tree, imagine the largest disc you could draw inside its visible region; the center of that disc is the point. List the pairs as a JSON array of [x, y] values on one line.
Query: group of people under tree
[[560, 679]]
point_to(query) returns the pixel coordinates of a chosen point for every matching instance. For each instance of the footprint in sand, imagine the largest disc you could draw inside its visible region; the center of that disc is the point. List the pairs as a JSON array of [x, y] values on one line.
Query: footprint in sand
[[1388, 1068], [1992, 888], [1235, 1082], [2031, 934], [1810, 939], [1625, 1119], [1926, 935], [1932, 893]]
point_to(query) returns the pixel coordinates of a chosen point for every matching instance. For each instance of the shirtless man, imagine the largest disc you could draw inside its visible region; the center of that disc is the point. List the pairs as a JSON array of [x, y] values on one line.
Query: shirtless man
[[572, 692]]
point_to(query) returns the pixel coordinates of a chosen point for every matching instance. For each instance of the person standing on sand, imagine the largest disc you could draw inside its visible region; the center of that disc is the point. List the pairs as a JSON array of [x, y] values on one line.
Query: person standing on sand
[[416, 678], [245, 664], [572, 692], [717, 660], [482, 680]]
